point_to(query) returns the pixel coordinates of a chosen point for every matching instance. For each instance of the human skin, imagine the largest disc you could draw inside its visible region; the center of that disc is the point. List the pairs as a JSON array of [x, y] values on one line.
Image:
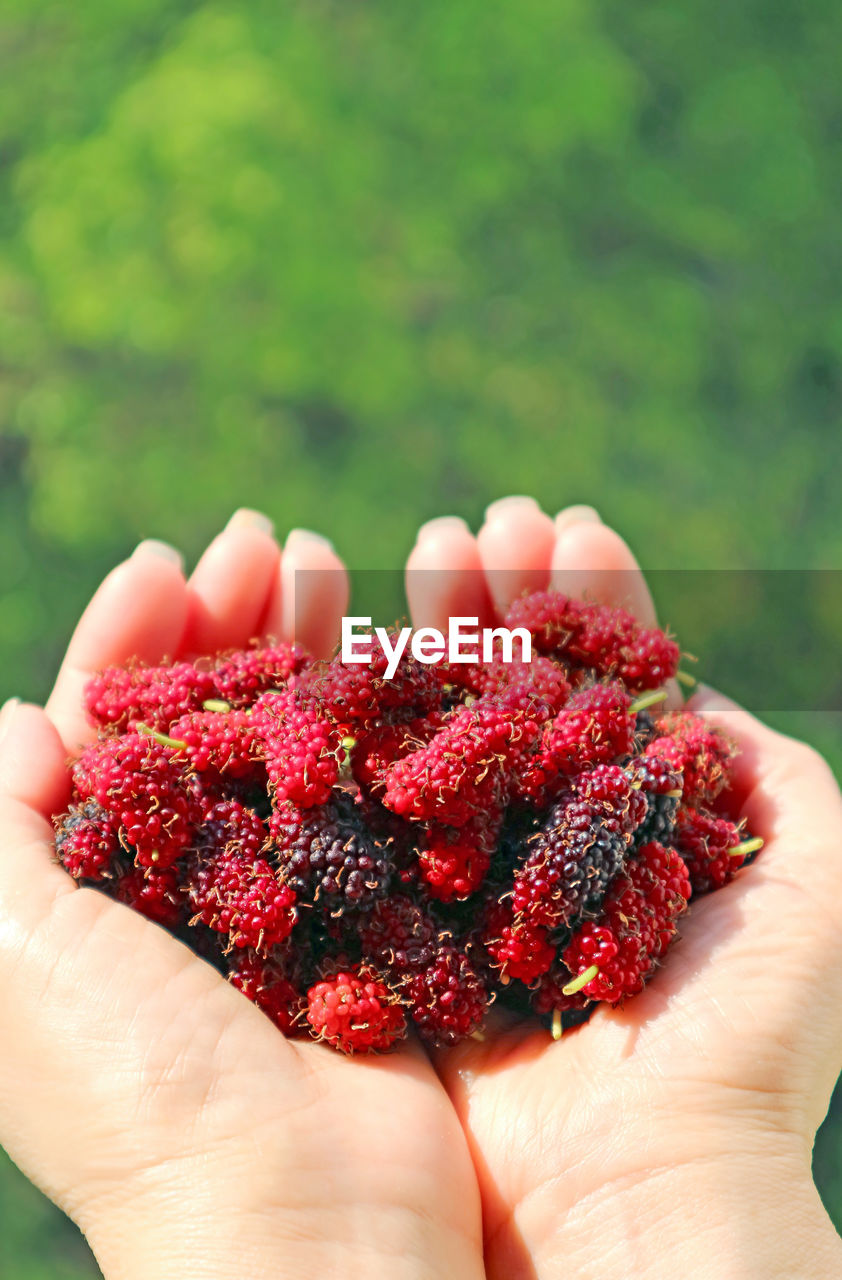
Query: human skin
[[672, 1136], [147, 1097], [176, 1125]]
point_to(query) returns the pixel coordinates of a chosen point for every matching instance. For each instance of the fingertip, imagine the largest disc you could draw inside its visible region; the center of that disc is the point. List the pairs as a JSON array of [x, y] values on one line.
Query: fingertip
[[591, 560], [431, 529], [248, 518], [228, 590], [512, 503], [311, 593], [516, 545], [137, 611], [444, 576], [311, 546], [578, 513], [33, 759], [7, 715], [705, 699], [155, 548]]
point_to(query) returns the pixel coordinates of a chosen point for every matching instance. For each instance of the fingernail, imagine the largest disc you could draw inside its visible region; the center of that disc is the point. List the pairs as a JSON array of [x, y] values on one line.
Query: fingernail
[[163, 550], [580, 514], [441, 524], [304, 536], [247, 518], [505, 506], [7, 715]]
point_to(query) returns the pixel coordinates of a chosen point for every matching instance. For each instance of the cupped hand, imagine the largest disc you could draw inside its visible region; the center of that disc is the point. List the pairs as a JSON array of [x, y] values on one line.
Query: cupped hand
[[138, 1089], [673, 1135]]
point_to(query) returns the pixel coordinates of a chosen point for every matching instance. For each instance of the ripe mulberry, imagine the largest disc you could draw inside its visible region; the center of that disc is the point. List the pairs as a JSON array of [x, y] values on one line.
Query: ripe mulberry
[[242, 897], [637, 924], [661, 784], [138, 782], [702, 753], [454, 860], [712, 848], [87, 841], [356, 1012], [301, 748], [328, 854], [266, 982], [119, 698]]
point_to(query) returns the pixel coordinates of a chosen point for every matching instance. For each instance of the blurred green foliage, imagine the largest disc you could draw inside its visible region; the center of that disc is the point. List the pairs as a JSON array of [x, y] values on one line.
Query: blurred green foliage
[[360, 263]]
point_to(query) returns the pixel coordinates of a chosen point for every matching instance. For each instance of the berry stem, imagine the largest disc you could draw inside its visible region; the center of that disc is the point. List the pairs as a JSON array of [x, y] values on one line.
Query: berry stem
[[216, 704], [582, 980], [684, 677], [556, 1027], [162, 738], [747, 847], [648, 700]]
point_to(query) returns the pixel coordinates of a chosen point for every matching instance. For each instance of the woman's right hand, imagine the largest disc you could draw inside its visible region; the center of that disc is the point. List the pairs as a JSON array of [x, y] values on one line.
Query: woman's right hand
[[148, 1098]]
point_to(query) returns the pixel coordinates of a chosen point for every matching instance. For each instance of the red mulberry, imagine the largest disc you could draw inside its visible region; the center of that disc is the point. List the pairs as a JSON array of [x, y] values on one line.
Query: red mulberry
[[702, 753], [356, 1012], [712, 848], [265, 982], [139, 783], [240, 677], [155, 894], [301, 748], [636, 926], [87, 841], [242, 897], [122, 697]]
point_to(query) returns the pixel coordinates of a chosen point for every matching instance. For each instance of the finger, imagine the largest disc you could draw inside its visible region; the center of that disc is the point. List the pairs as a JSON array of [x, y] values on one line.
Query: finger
[[516, 547], [444, 576], [34, 784], [775, 929], [228, 591], [590, 560], [139, 611], [310, 594], [786, 791]]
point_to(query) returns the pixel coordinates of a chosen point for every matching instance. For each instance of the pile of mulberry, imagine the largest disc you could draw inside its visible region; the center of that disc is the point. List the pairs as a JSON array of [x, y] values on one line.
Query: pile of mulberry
[[368, 858]]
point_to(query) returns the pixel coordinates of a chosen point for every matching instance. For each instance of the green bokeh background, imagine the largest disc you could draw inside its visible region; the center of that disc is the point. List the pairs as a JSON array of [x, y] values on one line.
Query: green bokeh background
[[359, 263]]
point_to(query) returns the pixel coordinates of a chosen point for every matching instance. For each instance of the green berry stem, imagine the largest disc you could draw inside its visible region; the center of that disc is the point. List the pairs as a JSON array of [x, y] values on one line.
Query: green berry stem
[[583, 979], [555, 1026], [648, 700], [746, 847], [216, 704], [161, 738], [684, 677]]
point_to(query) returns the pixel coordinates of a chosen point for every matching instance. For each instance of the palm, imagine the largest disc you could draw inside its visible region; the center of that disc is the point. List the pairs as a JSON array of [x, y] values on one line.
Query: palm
[[642, 1089], [172, 1061], [164, 1064], [740, 1030]]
